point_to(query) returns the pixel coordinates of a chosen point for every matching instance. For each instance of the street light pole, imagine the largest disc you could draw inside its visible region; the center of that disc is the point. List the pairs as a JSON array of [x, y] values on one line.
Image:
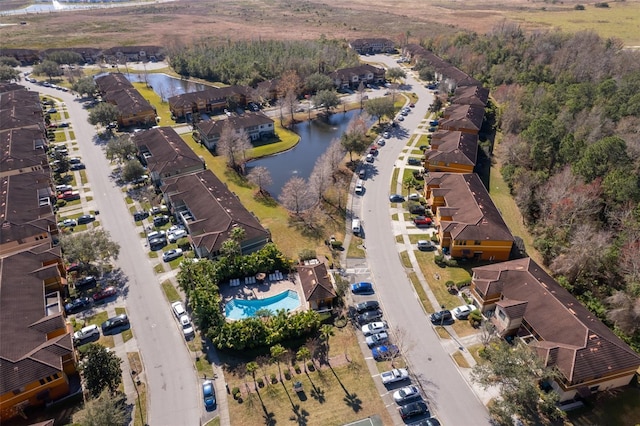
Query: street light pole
[[138, 393]]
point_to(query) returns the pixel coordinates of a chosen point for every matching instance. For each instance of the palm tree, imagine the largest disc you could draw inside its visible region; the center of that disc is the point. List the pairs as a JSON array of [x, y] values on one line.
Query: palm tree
[[326, 331], [277, 352], [303, 355], [251, 368]]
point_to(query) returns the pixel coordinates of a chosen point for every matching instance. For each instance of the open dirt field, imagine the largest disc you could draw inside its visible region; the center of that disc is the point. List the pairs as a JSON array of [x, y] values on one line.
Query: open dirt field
[[184, 21]]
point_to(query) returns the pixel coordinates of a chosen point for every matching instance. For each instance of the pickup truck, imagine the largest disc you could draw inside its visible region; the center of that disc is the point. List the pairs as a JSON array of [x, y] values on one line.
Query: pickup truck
[[395, 375]]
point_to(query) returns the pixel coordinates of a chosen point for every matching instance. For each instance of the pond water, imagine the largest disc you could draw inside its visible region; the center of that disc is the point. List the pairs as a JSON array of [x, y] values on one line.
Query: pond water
[[167, 86], [315, 135], [315, 138]]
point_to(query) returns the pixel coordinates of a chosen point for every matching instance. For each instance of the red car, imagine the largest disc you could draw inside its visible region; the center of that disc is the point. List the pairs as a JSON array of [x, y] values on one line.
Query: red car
[[422, 221], [69, 195], [373, 150], [412, 105], [105, 293]]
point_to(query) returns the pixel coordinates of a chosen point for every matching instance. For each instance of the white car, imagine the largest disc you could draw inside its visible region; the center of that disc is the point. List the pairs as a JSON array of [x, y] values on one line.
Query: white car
[[170, 255], [386, 135], [174, 236], [187, 327], [67, 223], [395, 375], [405, 394], [414, 197], [86, 332], [359, 186], [374, 327], [462, 312], [377, 339], [178, 309]]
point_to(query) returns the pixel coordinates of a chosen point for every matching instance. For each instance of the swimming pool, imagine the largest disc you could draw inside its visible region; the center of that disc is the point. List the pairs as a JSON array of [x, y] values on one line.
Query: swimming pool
[[237, 309]]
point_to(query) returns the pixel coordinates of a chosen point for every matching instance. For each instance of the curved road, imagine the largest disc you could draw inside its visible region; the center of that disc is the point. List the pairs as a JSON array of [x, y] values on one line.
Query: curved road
[[449, 395], [173, 390]]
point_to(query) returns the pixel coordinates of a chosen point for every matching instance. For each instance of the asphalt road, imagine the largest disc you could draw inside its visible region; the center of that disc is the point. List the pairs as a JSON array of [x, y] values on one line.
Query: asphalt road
[[173, 389], [449, 396]]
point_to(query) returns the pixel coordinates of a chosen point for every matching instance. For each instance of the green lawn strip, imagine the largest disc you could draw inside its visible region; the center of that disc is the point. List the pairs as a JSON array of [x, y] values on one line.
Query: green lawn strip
[[60, 136], [66, 115], [460, 360], [430, 269], [83, 177], [175, 263], [129, 200], [414, 238], [286, 140], [355, 248], [423, 140], [442, 332], [89, 198], [404, 257], [399, 239], [158, 269], [474, 351], [161, 107], [170, 291], [153, 254], [394, 216], [422, 294], [140, 416], [499, 192], [72, 135], [394, 181], [213, 422]]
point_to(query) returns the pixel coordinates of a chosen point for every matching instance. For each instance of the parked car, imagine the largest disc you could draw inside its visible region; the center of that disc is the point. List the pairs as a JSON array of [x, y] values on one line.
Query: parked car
[[176, 235], [431, 421], [67, 223], [416, 208], [373, 150], [414, 196], [170, 255], [105, 293], [178, 309], [462, 312], [393, 376], [377, 339], [86, 218], [86, 333], [412, 105], [141, 179], [158, 210], [85, 282], [361, 288], [359, 187], [413, 161], [426, 245], [370, 158], [64, 188], [381, 142], [75, 160], [187, 327], [369, 305], [69, 196], [386, 135], [77, 305], [362, 173], [156, 234], [160, 220], [405, 113], [373, 328], [119, 321], [442, 317], [406, 393], [422, 221], [157, 243], [433, 123], [369, 316], [413, 409], [383, 352], [77, 166], [396, 198], [400, 118], [432, 86], [63, 125], [140, 215], [208, 395]]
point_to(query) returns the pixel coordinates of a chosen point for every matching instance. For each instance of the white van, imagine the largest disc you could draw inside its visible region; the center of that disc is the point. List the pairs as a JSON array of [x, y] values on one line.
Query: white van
[[355, 226], [359, 186]]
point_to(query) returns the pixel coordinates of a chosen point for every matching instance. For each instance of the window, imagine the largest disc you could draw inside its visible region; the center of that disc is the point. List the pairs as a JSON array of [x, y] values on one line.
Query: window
[[501, 314], [42, 382], [477, 243], [594, 388]]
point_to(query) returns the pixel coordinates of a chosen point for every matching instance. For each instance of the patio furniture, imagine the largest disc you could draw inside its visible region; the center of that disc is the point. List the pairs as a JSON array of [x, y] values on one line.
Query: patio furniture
[[297, 387]]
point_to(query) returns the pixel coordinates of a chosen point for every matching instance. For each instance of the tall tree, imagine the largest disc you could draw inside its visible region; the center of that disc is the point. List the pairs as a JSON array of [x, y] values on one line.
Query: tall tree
[[9, 61], [296, 195], [84, 86], [317, 82], [326, 99], [517, 372], [7, 73], [354, 139], [105, 410], [395, 74], [260, 176], [380, 108], [132, 170], [49, 68], [326, 331], [65, 57], [104, 113], [234, 145], [101, 370], [91, 246], [303, 355], [121, 148], [277, 353], [289, 87]]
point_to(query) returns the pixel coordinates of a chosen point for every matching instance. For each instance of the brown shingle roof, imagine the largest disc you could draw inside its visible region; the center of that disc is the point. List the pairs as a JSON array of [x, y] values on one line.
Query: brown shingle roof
[[316, 282], [457, 117], [26, 355], [454, 147], [211, 128], [571, 336], [22, 150], [474, 216], [471, 95], [215, 209], [170, 154], [347, 73], [211, 96]]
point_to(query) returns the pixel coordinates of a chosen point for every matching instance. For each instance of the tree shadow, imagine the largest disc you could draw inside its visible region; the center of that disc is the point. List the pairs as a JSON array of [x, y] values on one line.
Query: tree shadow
[[351, 399], [236, 178], [264, 198], [316, 392], [268, 416]]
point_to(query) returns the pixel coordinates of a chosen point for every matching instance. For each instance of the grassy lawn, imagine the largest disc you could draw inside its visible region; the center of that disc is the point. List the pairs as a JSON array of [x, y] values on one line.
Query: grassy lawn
[[394, 181], [98, 318], [213, 422], [422, 295], [162, 108], [83, 177], [430, 269], [140, 415], [170, 291], [460, 360], [404, 258], [499, 191], [60, 136], [158, 269], [621, 408], [286, 140], [355, 248], [72, 135], [332, 396]]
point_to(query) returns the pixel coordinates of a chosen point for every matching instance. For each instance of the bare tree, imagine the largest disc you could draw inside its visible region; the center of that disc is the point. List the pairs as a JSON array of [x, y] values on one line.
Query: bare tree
[[289, 86], [260, 176], [296, 195], [361, 94], [334, 156], [233, 145], [625, 313], [320, 178], [588, 245]]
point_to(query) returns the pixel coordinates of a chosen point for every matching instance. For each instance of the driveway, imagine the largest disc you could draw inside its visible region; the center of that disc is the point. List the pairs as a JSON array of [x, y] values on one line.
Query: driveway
[[174, 391], [448, 393]]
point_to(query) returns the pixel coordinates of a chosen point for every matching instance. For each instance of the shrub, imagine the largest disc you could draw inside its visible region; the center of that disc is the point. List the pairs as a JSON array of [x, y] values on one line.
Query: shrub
[[335, 244], [287, 374], [579, 7], [464, 283], [310, 366], [439, 260], [297, 369], [451, 263], [274, 379], [235, 392], [450, 284], [61, 203], [603, 5], [260, 382], [307, 254]]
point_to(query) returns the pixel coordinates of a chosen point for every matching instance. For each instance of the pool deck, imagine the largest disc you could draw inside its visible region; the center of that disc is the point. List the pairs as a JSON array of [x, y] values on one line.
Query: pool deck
[[263, 290]]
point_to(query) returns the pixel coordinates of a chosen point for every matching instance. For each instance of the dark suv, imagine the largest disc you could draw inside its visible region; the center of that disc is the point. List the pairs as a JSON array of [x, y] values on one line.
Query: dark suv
[[120, 321], [441, 317], [369, 305], [369, 316], [137, 216], [413, 409], [86, 282]]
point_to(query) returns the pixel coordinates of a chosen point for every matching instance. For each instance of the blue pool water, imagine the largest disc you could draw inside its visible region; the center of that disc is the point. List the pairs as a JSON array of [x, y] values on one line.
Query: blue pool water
[[237, 309]]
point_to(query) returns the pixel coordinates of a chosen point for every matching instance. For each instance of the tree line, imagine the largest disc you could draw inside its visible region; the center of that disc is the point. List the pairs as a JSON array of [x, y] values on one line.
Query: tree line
[[249, 62], [569, 110]]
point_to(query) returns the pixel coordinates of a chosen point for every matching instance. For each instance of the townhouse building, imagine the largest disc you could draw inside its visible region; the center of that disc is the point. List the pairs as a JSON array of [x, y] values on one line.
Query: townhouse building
[[256, 124], [133, 108]]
